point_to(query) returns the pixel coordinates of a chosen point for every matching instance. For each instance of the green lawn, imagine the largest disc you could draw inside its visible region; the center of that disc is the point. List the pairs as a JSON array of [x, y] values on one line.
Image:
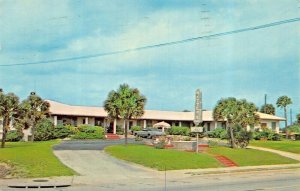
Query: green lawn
[[251, 157], [161, 158], [286, 145], [34, 159]]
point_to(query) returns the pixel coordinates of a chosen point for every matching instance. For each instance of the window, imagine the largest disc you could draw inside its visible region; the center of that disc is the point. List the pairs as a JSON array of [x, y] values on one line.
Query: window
[[208, 126], [273, 124], [83, 121]]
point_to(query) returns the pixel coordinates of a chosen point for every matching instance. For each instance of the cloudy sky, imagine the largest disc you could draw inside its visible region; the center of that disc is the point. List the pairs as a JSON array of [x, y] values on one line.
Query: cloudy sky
[[245, 65]]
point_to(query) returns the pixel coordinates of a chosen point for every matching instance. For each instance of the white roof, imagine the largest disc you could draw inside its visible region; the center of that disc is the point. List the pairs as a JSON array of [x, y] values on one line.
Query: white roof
[[57, 108]]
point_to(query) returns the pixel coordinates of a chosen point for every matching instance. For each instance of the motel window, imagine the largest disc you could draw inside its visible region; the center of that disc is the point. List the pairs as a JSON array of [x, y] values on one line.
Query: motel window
[[208, 126], [273, 125], [263, 125]]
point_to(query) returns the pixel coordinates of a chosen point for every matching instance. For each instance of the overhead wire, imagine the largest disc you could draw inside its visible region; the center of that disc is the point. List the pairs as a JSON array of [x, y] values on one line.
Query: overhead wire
[[156, 45]]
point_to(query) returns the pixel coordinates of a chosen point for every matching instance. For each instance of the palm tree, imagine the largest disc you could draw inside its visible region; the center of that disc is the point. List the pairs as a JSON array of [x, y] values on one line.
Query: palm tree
[[268, 109], [126, 103], [32, 110], [9, 106], [235, 112], [283, 102]]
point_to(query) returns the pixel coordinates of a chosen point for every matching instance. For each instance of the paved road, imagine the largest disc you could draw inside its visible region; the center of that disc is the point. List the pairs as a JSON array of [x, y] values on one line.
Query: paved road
[[90, 144], [283, 180]]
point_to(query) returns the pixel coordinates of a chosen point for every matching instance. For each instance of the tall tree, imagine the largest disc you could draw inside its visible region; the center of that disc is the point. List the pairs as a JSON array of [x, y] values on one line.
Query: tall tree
[[126, 103], [268, 109], [235, 112], [9, 106], [283, 102], [32, 110]]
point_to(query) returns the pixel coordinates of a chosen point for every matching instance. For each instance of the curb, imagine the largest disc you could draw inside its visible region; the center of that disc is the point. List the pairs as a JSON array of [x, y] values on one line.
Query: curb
[[245, 169]]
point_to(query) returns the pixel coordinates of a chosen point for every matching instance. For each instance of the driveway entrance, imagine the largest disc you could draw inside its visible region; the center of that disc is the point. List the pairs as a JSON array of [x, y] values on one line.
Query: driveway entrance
[[94, 166]]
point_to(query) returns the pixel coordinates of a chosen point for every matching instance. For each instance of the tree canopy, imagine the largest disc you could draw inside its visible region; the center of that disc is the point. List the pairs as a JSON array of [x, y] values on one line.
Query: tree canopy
[[9, 105], [235, 112], [125, 103], [268, 109], [283, 102]]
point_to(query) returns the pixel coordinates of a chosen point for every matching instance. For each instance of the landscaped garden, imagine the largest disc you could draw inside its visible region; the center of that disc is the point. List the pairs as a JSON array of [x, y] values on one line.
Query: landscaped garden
[[33, 159], [284, 145], [162, 159]]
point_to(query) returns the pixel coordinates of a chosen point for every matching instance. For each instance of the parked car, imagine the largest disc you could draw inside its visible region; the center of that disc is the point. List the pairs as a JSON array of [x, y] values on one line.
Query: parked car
[[148, 133]]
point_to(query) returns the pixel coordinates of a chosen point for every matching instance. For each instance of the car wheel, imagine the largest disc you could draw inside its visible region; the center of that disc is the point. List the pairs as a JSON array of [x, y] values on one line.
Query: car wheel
[[149, 136]]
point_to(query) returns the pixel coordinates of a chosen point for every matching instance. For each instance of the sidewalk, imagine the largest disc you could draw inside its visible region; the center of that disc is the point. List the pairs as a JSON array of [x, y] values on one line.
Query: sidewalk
[[282, 153]]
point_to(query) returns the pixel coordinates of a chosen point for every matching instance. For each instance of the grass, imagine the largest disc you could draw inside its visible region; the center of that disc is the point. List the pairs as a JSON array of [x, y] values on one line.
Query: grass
[[251, 157], [286, 145], [34, 159], [162, 158]]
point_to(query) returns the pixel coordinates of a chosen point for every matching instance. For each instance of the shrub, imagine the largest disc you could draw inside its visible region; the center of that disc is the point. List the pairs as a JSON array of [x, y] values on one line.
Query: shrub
[[119, 130], [89, 132], [217, 133], [161, 143], [266, 134], [242, 136], [44, 130], [293, 129], [136, 128], [14, 136], [63, 131], [185, 131]]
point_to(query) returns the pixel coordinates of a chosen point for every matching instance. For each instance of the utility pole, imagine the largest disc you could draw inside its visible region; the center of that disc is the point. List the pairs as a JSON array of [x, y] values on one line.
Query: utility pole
[[291, 116], [265, 108]]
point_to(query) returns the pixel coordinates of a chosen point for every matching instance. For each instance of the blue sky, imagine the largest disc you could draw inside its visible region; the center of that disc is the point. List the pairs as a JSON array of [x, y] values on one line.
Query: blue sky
[[246, 65]]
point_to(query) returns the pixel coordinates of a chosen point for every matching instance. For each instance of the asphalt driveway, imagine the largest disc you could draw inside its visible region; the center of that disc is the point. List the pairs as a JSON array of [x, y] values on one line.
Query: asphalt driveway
[[90, 144]]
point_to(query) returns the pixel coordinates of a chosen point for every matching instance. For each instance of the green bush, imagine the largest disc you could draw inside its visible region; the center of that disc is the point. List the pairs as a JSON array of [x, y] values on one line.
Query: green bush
[[89, 132], [136, 128], [14, 136], [44, 130], [266, 134], [119, 130], [242, 136], [217, 133], [63, 131], [293, 129], [185, 131]]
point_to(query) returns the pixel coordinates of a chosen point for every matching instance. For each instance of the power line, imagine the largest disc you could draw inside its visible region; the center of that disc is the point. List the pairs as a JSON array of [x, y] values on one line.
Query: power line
[[158, 45]]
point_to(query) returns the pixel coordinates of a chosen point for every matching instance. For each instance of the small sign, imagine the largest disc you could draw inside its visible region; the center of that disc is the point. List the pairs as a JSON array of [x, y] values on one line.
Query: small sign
[[196, 129]]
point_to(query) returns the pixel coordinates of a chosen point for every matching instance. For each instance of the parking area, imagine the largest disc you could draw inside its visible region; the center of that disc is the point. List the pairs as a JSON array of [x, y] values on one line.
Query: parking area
[[90, 144]]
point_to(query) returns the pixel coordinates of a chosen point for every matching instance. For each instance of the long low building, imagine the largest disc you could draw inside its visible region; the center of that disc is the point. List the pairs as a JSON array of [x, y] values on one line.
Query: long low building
[[78, 115]]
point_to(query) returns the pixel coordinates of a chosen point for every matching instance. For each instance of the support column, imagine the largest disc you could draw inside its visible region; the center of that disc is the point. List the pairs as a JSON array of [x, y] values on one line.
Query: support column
[[145, 123], [86, 120], [115, 127], [55, 120], [179, 123]]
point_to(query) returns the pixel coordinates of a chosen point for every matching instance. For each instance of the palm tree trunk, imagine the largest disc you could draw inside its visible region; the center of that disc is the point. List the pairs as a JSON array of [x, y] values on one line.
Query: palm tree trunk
[[285, 116], [126, 132], [5, 127], [232, 141]]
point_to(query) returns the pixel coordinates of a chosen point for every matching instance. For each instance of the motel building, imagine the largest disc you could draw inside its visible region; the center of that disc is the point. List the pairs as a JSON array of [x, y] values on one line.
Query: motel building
[[78, 115], [97, 116]]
